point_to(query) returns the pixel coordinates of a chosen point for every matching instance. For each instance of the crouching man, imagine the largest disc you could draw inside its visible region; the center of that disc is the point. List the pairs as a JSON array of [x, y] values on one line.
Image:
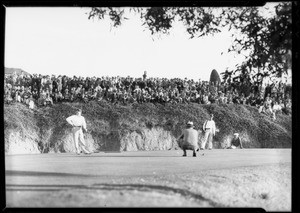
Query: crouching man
[[190, 139], [235, 142]]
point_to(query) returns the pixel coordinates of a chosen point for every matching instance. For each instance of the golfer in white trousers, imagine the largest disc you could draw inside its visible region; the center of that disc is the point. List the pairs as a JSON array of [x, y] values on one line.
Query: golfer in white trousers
[[209, 127], [78, 123]]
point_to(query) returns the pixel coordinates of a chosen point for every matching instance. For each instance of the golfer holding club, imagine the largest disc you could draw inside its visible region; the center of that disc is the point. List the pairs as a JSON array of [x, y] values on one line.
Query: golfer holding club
[[209, 127], [78, 122]]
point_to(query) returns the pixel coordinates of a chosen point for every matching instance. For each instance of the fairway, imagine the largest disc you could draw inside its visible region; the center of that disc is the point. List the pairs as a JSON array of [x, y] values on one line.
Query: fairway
[[152, 178]]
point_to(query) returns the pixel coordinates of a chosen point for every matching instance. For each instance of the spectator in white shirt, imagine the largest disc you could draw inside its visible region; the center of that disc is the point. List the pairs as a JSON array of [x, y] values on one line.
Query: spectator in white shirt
[[18, 96], [276, 108], [31, 102]]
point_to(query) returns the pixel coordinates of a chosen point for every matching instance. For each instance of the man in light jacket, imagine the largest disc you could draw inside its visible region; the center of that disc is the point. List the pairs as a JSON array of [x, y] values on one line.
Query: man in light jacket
[[78, 123], [190, 139], [209, 127]]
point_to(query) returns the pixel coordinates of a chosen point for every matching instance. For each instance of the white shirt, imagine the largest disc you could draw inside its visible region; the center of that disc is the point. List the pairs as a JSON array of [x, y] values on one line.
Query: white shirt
[[98, 88], [31, 104], [43, 81], [276, 107], [210, 124], [77, 120]]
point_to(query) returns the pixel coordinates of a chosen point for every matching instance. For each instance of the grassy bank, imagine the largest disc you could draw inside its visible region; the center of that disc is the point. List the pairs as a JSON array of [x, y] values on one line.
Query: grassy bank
[[46, 126]]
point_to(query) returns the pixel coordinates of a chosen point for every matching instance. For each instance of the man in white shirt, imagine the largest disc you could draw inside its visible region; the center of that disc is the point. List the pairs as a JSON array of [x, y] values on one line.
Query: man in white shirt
[[276, 108], [78, 123], [31, 102], [209, 127]]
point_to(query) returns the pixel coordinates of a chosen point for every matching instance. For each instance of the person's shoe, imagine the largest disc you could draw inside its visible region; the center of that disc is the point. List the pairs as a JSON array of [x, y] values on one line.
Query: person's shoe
[[201, 149], [194, 155], [183, 155], [78, 153], [198, 150], [210, 148]]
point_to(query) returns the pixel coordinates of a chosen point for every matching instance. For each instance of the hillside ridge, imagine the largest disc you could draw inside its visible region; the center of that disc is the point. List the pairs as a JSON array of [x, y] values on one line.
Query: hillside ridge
[[17, 70], [137, 127]]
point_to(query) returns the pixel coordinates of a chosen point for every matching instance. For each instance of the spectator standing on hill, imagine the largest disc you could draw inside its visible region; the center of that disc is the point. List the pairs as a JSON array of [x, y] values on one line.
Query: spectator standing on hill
[[145, 76], [48, 100], [190, 139], [39, 84], [54, 83], [31, 102], [288, 106], [8, 98], [26, 95], [209, 127], [78, 123], [18, 96], [250, 100], [59, 83], [205, 99], [276, 109], [259, 100], [235, 142]]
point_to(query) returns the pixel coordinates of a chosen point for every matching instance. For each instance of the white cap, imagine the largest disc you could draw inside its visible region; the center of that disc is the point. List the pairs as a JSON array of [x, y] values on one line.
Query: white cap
[[190, 123], [237, 134]]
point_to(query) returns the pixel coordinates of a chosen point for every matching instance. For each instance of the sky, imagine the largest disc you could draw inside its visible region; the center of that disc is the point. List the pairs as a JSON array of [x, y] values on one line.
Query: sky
[[63, 41]]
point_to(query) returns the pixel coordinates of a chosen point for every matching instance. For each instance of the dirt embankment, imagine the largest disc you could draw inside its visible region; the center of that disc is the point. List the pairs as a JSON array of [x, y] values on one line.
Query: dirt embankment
[[137, 127]]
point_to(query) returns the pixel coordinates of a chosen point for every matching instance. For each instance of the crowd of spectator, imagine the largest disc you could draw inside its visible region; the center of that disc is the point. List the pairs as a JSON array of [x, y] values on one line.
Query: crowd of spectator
[[42, 90]]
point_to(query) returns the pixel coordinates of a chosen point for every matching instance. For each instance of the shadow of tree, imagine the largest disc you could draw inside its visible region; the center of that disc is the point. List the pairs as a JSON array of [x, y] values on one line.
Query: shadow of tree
[[115, 187]]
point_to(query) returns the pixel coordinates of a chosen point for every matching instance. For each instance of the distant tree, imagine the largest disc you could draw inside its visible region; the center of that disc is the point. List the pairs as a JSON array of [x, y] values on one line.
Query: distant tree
[[214, 77]]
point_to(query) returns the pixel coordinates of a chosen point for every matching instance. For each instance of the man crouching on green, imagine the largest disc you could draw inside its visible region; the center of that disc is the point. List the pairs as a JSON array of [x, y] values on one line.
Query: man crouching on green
[[190, 139]]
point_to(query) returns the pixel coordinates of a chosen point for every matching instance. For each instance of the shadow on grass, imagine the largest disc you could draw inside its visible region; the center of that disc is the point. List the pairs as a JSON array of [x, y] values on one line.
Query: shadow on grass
[[115, 187]]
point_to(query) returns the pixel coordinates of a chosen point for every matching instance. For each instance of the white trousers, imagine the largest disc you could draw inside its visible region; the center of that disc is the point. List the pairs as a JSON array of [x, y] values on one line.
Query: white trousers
[[77, 133], [208, 136]]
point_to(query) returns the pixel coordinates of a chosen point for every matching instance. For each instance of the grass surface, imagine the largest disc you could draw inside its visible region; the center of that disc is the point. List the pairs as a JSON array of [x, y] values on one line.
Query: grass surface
[[267, 187]]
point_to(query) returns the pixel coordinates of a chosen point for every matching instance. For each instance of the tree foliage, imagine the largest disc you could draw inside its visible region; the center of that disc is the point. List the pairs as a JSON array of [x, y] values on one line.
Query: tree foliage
[[198, 21], [266, 42]]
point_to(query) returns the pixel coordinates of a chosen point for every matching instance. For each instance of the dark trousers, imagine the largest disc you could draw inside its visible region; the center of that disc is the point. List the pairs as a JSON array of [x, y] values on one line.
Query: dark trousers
[[189, 147]]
